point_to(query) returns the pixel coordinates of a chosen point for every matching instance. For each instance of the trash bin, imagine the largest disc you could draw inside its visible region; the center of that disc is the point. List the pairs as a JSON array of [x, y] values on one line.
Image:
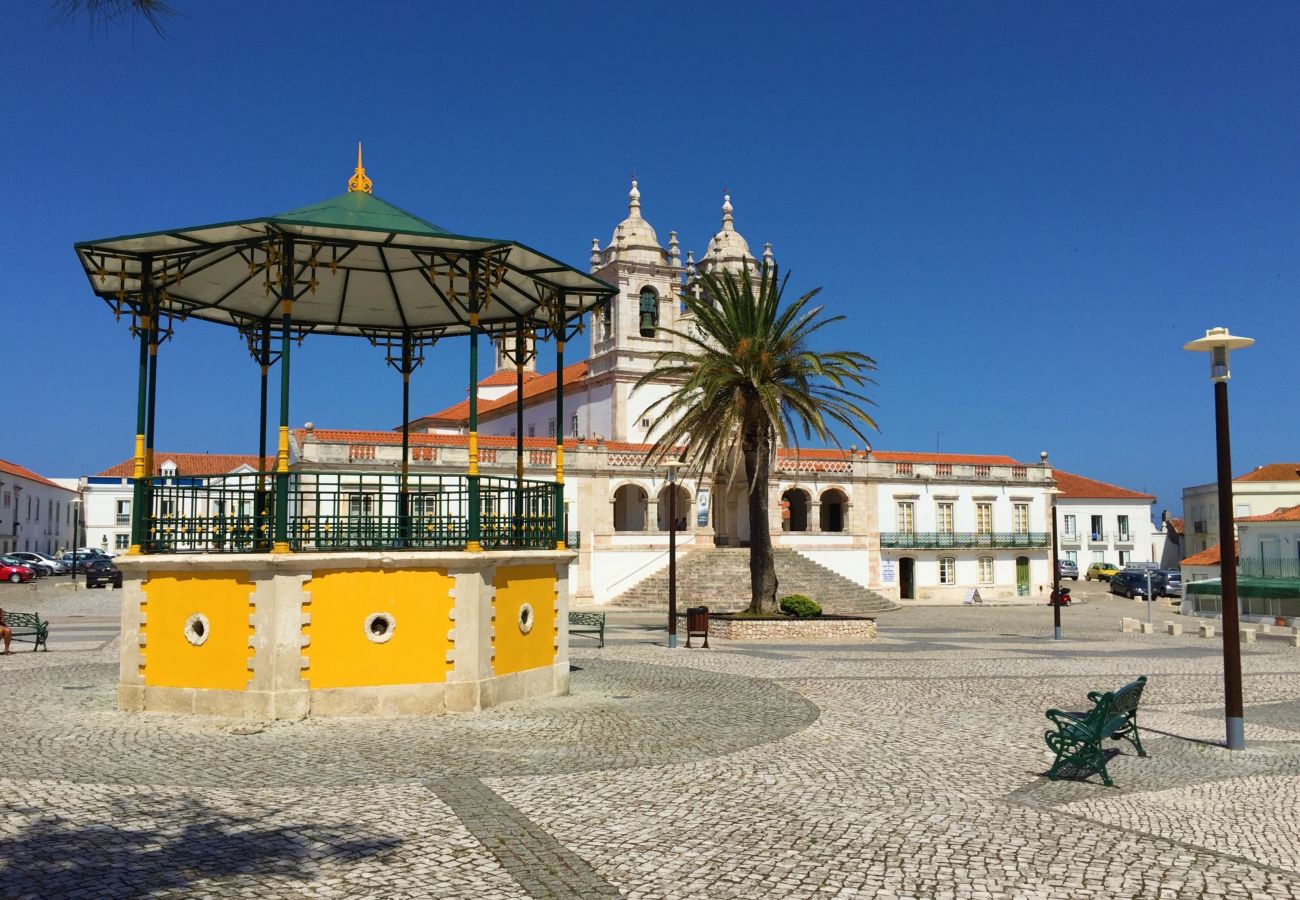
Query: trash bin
[[697, 624]]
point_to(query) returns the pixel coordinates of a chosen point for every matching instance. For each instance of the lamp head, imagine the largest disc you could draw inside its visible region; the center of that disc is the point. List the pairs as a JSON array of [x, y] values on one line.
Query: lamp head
[[1219, 344]]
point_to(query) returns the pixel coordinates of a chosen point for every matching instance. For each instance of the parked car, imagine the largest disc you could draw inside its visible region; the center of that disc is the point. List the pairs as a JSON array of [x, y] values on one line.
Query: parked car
[[1102, 571], [37, 571], [15, 574], [1067, 568], [78, 564], [40, 559], [100, 572], [1171, 583], [1132, 583]]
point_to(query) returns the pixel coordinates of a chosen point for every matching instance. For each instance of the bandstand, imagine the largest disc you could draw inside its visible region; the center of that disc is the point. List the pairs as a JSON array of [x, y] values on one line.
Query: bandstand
[[289, 593]]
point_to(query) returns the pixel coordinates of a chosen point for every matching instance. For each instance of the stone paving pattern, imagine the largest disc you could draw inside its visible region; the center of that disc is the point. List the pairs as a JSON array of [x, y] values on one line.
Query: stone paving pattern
[[910, 766]]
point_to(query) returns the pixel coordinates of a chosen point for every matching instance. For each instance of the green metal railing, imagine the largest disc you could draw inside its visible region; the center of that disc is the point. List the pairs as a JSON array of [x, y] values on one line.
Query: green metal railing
[[334, 511], [964, 540], [1268, 567]]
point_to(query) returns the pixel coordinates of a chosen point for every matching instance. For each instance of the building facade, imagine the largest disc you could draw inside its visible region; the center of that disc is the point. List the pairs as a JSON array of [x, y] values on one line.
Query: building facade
[[36, 514], [1100, 522], [1261, 491]]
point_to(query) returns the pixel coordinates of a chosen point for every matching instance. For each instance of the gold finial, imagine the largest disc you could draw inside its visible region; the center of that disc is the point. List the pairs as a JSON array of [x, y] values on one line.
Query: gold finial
[[359, 181]]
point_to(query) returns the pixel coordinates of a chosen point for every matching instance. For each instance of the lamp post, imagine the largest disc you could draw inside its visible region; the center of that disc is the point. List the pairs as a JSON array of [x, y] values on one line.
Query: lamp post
[[76, 537], [672, 466], [1219, 343], [1052, 493]]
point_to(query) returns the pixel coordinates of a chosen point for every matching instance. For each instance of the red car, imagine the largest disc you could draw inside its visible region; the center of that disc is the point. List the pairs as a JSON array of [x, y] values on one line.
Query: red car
[[15, 574]]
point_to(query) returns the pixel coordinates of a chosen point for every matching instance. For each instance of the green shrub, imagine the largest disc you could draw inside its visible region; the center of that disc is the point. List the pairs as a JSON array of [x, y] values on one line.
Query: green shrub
[[800, 606]]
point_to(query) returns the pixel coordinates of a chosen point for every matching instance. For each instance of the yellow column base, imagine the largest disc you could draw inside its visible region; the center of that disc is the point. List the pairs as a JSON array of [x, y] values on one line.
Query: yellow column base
[[560, 545], [133, 550], [473, 547], [281, 547]]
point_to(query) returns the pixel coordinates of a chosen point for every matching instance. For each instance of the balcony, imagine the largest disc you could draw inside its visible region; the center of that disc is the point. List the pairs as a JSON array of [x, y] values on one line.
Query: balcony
[[1268, 567], [1124, 539], [1071, 540], [1098, 538], [964, 540]]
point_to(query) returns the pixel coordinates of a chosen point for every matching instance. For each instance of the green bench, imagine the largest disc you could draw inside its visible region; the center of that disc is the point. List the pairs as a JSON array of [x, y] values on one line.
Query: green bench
[[588, 623], [29, 628], [1078, 736]]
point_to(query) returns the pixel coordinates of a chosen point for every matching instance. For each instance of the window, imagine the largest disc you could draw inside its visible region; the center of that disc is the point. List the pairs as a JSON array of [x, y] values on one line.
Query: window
[[947, 570], [645, 423], [649, 309], [1071, 526], [906, 516], [124, 512], [1123, 528], [573, 427], [1020, 518], [532, 431], [986, 570], [943, 516], [121, 541], [1095, 529], [1124, 558], [1071, 556], [1243, 509], [1098, 556], [550, 428], [984, 518]]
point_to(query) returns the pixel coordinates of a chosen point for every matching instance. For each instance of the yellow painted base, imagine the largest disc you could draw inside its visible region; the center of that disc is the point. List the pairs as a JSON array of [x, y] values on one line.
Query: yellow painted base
[[515, 649], [221, 660]]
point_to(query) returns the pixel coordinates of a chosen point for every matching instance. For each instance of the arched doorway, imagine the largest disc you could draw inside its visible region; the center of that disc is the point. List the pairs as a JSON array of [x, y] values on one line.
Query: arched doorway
[[907, 578], [1022, 576], [683, 508], [629, 508], [833, 510], [795, 502]]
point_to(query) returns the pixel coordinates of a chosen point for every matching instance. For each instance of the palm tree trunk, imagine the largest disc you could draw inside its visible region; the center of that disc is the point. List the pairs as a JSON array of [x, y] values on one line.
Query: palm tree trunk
[[762, 565]]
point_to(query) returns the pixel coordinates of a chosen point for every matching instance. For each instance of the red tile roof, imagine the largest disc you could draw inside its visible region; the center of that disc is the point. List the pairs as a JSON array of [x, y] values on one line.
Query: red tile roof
[[1209, 557], [506, 377], [190, 464], [1080, 488], [1288, 514], [1273, 472], [1176, 525], [538, 387], [9, 468]]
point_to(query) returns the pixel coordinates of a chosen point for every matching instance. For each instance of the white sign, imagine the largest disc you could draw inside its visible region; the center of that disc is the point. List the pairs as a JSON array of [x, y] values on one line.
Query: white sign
[[973, 596], [702, 508], [888, 571]]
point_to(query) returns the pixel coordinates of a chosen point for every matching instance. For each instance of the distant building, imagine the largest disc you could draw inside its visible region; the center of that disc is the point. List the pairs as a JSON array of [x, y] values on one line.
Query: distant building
[[1263, 490], [1268, 570], [1101, 522], [36, 514]]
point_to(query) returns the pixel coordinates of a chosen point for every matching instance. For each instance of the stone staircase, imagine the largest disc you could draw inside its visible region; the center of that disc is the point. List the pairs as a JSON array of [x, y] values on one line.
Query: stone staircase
[[718, 577]]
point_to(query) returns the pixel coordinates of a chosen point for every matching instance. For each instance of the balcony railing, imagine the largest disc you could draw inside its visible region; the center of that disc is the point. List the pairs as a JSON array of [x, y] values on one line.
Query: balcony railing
[[962, 540], [336, 511], [1268, 567], [1070, 540], [1124, 537], [1098, 537]]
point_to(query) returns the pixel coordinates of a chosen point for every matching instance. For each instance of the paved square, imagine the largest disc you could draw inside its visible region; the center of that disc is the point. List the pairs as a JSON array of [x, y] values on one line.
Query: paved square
[[908, 767]]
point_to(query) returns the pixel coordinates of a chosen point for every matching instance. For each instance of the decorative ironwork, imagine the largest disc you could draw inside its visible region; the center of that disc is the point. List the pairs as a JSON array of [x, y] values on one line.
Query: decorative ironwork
[[964, 540], [359, 180], [346, 511]]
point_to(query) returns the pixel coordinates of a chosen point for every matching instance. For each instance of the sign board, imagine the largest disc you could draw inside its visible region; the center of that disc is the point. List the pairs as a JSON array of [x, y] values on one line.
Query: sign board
[[702, 508], [973, 596], [888, 571]]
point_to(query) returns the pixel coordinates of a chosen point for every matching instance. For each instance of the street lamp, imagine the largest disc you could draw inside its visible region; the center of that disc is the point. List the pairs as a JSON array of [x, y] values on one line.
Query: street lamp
[[672, 466], [1053, 492], [76, 537], [1219, 344]]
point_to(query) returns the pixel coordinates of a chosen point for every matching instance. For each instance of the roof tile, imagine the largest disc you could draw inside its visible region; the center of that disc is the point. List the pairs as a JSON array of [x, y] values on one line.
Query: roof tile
[[189, 464], [10, 468], [1078, 487], [1285, 471]]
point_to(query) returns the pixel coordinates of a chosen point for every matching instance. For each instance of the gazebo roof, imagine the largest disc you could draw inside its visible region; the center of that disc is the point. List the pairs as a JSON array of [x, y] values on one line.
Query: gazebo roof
[[361, 266]]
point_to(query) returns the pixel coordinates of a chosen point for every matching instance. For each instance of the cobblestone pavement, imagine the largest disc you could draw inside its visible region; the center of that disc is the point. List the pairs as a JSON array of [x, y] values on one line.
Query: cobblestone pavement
[[907, 767]]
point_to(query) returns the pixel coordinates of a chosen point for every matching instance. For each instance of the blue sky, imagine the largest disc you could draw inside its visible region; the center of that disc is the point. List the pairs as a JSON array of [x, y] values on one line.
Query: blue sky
[[1023, 210]]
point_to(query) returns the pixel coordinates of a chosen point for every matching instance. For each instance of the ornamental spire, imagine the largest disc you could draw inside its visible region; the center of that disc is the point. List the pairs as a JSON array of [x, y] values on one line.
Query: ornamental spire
[[634, 200], [359, 181], [727, 219]]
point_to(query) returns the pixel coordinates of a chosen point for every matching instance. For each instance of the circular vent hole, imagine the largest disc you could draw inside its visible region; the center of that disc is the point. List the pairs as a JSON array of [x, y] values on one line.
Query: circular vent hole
[[379, 626]]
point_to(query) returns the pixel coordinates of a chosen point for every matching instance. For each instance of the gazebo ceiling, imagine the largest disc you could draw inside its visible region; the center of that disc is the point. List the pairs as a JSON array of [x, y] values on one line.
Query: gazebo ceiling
[[361, 266]]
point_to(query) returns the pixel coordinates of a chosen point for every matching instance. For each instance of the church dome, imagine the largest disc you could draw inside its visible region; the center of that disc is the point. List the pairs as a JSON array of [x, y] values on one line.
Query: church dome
[[635, 232], [728, 249]]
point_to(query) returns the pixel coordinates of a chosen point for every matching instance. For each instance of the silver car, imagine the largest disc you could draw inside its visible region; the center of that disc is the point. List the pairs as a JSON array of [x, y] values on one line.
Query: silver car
[[1068, 568]]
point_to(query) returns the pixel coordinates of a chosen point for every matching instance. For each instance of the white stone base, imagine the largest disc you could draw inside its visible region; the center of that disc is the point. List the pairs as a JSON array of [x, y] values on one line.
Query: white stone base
[[815, 629]]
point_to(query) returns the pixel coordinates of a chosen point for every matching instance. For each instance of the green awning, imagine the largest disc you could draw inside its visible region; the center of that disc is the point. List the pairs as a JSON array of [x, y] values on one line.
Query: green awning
[[1266, 588], [362, 266]]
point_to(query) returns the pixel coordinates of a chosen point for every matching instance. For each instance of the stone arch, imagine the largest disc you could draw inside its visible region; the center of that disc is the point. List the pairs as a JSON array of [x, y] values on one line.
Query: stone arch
[[630, 505], [834, 513], [795, 503], [683, 507]]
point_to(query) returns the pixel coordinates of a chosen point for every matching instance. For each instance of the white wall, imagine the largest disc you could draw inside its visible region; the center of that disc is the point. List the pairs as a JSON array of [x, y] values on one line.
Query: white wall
[[34, 516], [1145, 542]]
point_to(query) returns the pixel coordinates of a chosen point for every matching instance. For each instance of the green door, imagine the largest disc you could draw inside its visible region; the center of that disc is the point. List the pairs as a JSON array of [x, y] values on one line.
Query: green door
[[1022, 576]]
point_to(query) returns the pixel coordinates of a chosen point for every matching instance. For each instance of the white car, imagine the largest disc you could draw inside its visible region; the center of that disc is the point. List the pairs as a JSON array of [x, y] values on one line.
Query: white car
[[41, 559]]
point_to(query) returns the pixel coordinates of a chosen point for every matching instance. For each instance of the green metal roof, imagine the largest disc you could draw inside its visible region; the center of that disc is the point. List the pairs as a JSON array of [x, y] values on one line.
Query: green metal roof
[[1273, 588], [361, 266]]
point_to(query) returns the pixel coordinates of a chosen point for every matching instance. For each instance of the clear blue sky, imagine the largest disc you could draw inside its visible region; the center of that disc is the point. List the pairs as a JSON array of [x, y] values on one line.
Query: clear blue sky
[[1024, 210]]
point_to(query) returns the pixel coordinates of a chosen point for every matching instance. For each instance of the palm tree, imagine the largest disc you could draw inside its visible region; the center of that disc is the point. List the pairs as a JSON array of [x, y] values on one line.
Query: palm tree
[[749, 382]]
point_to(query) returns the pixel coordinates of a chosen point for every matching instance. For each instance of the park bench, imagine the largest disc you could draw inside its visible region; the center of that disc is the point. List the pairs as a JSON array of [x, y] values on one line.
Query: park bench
[[1078, 736], [588, 623], [29, 628]]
